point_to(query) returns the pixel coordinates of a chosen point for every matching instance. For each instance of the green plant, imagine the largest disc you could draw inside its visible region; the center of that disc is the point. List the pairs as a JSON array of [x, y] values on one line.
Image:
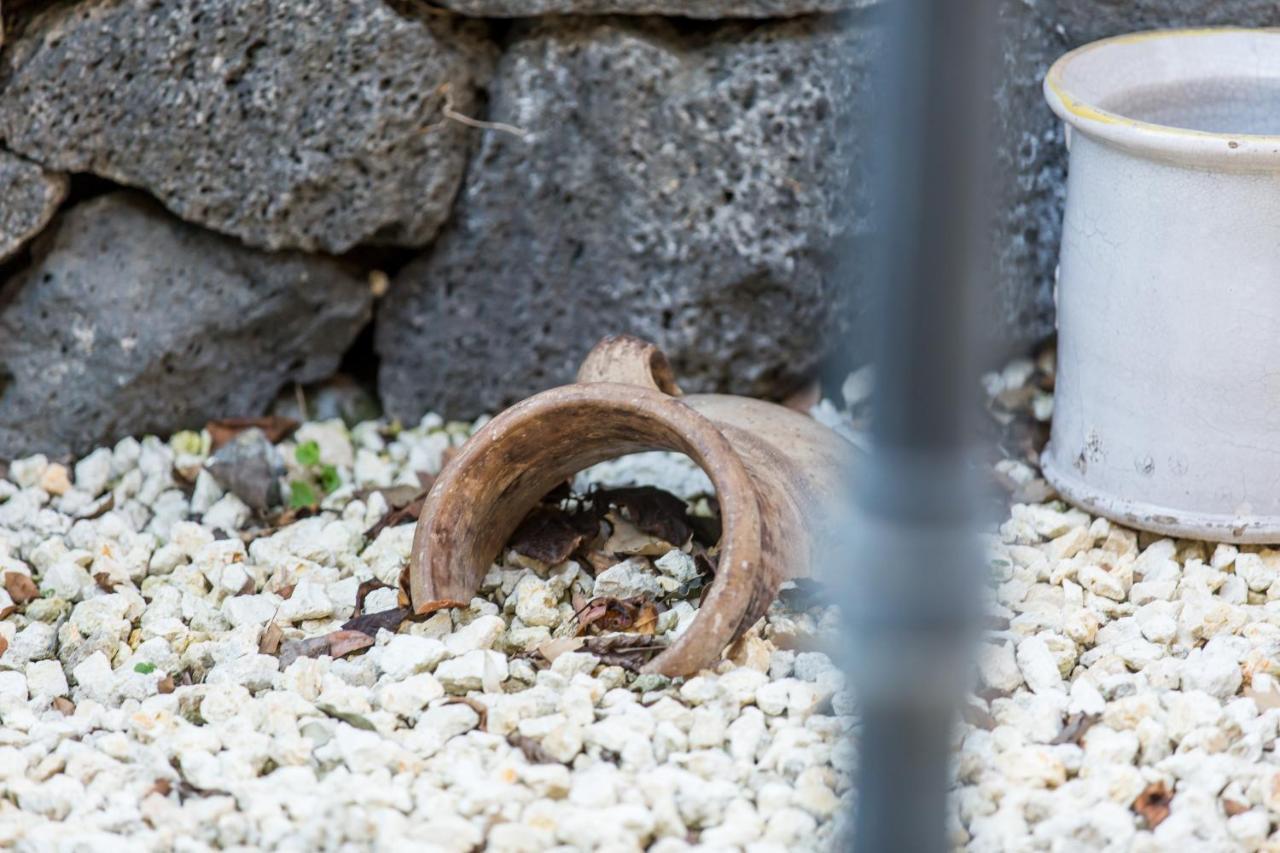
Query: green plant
[[303, 492]]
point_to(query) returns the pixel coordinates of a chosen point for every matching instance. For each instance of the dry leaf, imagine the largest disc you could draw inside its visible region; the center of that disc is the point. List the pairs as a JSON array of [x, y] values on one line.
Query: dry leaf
[[646, 621], [533, 751], [362, 592], [439, 604], [64, 705], [4, 646], [552, 649], [249, 587], [166, 685], [272, 636], [312, 647], [371, 623], [546, 535], [20, 588], [104, 582], [654, 511], [286, 591], [1234, 807], [629, 651], [163, 787], [275, 427], [343, 643], [1153, 804], [628, 540], [399, 515]]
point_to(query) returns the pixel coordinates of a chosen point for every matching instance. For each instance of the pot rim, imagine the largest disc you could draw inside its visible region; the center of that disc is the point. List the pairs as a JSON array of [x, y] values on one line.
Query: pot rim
[[1160, 141]]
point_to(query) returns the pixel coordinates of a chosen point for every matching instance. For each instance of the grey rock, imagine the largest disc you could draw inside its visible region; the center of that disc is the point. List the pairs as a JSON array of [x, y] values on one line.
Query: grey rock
[[315, 125], [250, 467], [1034, 33], [31, 196], [686, 187], [684, 8], [129, 322]]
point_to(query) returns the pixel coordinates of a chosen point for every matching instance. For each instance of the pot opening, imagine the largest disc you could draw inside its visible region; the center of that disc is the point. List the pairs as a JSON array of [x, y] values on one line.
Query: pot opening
[[1208, 95], [1221, 105]]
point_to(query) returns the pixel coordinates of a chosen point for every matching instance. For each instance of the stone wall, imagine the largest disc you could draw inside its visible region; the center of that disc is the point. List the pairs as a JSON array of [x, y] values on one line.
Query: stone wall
[[206, 201]]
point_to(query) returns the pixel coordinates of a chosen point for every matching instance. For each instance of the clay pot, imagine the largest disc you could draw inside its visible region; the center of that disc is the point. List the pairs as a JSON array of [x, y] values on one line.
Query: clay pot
[[1167, 305], [777, 475]]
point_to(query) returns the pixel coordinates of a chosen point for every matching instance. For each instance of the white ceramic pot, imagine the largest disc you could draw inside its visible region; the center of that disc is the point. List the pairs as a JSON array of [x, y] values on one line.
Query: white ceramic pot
[[1167, 405]]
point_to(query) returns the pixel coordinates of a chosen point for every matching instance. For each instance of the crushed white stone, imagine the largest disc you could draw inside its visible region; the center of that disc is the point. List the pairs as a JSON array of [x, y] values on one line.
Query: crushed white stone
[[136, 711]]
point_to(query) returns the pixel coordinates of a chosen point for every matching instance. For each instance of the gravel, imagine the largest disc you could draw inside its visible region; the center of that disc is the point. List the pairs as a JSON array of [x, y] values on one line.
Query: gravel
[[139, 710]]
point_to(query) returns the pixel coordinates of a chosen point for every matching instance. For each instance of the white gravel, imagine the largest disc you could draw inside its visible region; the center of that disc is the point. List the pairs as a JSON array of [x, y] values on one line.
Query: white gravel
[[1124, 668], [146, 586]]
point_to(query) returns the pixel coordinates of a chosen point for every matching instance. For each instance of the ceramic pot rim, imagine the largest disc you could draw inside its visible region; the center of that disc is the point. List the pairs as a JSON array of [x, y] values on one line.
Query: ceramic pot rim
[[1158, 141]]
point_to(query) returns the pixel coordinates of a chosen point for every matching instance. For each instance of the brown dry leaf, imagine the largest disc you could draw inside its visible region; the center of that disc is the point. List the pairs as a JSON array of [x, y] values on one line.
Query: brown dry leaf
[[654, 511], [104, 582], [371, 623], [5, 612], [628, 540], [533, 751], [20, 588], [398, 515], [646, 621], [552, 649], [163, 787], [166, 685], [343, 643], [4, 646], [439, 604], [64, 705], [599, 561], [286, 591], [1153, 804], [275, 427], [249, 587], [629, 651], [546, 535], [312, 647], [272, 637], [1234, 807], [618, 614], [362, 592]]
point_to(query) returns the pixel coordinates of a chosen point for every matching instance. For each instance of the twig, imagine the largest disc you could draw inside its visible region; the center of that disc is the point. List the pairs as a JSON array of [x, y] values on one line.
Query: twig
[[450, 113]]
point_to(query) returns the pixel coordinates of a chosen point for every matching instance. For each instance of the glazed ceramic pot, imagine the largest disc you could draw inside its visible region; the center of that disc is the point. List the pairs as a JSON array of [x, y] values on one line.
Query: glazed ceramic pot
[[779, 477], [1167, 404]]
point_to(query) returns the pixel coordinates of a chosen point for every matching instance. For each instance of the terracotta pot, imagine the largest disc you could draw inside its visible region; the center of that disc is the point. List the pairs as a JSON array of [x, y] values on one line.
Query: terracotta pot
[[777, 475], [1168, 307]]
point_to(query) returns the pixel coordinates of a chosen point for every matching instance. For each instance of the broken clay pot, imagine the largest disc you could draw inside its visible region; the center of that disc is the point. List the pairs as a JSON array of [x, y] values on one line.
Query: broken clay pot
[[777, 473]]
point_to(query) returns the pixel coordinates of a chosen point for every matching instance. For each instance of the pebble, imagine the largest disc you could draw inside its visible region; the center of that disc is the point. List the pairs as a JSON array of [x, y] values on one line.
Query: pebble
[[151, 625]]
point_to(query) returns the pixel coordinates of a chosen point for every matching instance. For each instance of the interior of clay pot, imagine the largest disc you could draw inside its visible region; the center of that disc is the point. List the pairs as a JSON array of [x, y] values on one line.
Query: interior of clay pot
[[1209, 81]]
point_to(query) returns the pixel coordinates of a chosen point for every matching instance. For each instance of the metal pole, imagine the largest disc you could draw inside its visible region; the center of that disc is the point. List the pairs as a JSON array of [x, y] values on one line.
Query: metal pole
[[913, 596]]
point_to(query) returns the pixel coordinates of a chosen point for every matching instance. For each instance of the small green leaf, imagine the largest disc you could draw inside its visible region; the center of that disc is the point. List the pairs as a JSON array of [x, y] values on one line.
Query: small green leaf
[[307, 453], [329, 478], [301, 494], [144, 668]]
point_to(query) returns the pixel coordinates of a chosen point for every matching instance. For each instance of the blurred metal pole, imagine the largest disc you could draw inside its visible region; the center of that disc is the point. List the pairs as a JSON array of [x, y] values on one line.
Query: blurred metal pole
[[913, 599]]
